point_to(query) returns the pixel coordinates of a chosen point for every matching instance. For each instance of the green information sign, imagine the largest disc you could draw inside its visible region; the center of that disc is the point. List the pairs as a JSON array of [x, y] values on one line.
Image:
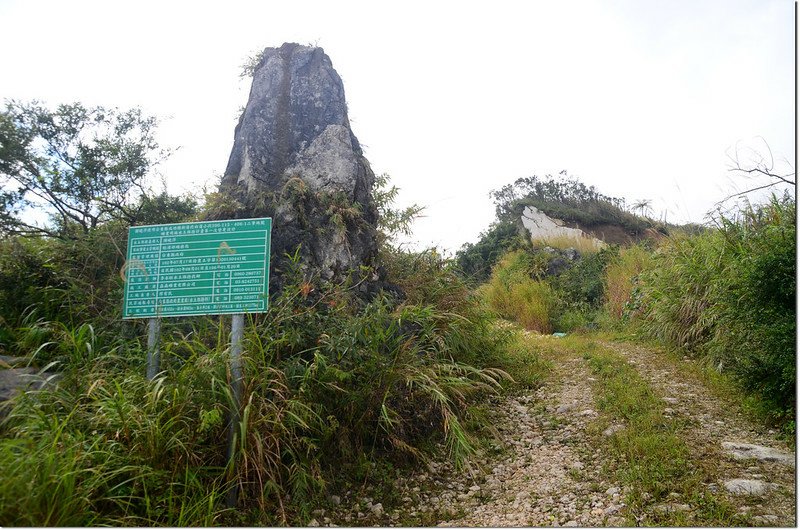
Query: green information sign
[[206, 268]]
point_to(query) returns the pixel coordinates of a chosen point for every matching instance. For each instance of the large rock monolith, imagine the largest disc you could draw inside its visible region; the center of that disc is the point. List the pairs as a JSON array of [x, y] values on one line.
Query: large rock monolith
[[296, 159]]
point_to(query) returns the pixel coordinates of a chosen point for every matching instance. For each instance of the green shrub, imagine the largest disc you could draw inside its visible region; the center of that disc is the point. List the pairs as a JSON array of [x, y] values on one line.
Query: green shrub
[[74, 279], [513, 294], [729, 294], [582, 284], [573, 320], [61, 282], [475, 260], [29, 277], [755, 337]]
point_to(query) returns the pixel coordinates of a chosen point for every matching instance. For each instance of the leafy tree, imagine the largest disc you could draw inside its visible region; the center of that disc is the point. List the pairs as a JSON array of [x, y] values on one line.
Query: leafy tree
[[82, 166]]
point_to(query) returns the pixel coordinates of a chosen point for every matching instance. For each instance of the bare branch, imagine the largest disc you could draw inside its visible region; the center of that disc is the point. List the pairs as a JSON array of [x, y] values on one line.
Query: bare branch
[[743, 193], [758, 165], [766, 173]]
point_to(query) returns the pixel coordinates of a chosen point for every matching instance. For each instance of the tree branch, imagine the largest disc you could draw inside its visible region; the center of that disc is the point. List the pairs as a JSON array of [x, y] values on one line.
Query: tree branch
[[767, 174], [741, 194]]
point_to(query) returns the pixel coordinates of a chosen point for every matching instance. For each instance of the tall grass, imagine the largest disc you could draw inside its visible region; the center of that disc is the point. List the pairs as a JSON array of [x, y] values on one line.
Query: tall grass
[[622, 278], [729, 295], [513, 294], [681, 288], [109, 449], [329, 380], [582, 243]]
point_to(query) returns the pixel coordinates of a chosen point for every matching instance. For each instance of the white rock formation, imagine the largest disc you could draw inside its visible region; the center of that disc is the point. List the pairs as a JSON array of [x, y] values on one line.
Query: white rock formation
[[541, 227]]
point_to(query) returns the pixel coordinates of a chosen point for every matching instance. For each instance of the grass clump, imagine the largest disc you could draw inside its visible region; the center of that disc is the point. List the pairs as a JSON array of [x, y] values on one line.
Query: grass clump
[[515, 295], [622, 280], [110, 449], [523, 361]]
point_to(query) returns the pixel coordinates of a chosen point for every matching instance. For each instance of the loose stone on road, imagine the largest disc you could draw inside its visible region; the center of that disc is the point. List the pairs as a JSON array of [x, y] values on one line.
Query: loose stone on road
[[552, 474]]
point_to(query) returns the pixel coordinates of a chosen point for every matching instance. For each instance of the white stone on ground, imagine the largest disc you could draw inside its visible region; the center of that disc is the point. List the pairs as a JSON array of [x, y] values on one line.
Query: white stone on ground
[[742, 451], [745, 486]]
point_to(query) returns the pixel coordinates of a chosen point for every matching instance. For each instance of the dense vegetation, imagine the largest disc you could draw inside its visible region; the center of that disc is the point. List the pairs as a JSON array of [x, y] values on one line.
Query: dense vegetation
[[338, 385], [332, 382], [562, 197], [475, 260], [553, 285], [566, 198], [546, 291], [729, 295]]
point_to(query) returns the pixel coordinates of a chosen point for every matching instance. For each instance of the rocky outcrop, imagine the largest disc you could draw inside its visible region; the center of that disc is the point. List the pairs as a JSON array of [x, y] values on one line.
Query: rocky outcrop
[[540, 227], [295, 158]]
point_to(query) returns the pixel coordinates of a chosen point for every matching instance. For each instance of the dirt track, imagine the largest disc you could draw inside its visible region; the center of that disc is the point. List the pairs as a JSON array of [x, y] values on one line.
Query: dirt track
[[549, 467]]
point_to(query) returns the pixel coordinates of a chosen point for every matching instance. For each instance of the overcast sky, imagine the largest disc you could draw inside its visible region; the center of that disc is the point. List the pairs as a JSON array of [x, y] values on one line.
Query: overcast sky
[[642, 99]]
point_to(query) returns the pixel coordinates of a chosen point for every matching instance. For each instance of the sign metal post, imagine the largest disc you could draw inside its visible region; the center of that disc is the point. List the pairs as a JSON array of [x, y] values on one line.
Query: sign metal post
[[153, 347], [237, 331]]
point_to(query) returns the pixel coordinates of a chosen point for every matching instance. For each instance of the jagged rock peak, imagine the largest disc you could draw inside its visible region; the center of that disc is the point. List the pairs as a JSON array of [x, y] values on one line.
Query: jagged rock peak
[[296, 124], [294, 145]]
